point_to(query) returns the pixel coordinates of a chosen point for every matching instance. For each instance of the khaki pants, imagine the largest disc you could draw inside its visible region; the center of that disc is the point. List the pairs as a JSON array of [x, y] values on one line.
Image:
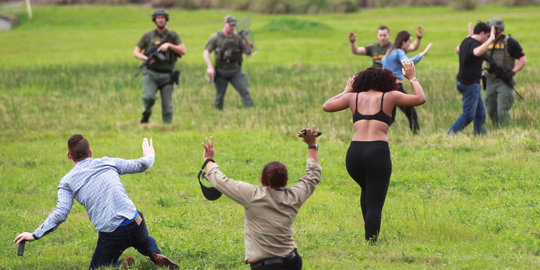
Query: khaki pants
[[152, 82], [237, 78], [499, 100]]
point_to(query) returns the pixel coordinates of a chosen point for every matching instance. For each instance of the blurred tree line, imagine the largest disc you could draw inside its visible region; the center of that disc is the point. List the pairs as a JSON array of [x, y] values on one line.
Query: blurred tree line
[[295, 6]]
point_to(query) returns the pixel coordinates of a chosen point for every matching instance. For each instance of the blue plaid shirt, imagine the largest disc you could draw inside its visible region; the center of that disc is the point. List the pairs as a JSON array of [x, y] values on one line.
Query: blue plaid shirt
[[95, 183]]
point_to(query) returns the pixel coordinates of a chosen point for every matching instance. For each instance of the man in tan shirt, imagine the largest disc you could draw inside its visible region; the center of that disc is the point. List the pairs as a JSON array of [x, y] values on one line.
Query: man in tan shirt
[[270, 210]]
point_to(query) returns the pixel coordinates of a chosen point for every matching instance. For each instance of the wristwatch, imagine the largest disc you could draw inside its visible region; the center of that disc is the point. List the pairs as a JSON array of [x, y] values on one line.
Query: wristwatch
[[315, 146]]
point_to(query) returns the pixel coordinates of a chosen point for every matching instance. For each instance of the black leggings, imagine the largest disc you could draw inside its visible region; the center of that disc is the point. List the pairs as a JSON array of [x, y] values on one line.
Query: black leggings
[[410, 112], [369, 164]]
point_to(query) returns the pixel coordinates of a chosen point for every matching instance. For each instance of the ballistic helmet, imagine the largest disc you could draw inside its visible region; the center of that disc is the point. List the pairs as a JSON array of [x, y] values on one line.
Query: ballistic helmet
[[497, 22], [160, 12]]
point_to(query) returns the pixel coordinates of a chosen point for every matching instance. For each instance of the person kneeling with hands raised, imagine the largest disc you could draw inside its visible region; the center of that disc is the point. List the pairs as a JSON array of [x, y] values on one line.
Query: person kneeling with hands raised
[[270, 210]]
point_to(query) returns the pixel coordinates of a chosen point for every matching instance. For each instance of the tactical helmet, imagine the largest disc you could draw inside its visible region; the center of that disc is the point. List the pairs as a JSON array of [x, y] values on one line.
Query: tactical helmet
[[160, 12], [497, 22]]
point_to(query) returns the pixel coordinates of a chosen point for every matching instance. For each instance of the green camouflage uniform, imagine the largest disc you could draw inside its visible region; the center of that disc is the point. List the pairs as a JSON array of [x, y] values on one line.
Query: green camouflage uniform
[[228, 67], [157, 76]]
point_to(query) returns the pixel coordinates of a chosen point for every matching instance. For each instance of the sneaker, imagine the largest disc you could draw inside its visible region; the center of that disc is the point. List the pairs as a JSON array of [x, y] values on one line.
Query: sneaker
[[162, 261], [127, 262]]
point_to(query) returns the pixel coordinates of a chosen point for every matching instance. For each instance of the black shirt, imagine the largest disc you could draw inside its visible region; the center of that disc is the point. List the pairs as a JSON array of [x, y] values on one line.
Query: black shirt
[[470, 66]]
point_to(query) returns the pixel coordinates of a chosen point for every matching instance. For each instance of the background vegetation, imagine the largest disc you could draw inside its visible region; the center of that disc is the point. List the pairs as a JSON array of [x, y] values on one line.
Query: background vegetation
[[454, 201], [297, 6]]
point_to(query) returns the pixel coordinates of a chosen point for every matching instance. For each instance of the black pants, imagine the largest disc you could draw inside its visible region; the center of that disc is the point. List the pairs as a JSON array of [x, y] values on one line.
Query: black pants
[[110, 245], [369, 164], [410, 112], [292, 264]]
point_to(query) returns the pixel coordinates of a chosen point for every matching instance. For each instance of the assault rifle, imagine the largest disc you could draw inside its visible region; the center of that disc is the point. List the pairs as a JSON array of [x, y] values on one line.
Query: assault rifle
[[506, 77], [152, 53]]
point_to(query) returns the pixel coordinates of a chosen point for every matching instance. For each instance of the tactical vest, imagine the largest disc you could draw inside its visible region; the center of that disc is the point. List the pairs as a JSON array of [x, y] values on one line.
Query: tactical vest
[[229, 50], [169, 57], [499, 52]]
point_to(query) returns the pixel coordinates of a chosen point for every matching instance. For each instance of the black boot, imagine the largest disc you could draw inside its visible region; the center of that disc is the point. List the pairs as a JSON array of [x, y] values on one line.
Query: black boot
[[145, 117]]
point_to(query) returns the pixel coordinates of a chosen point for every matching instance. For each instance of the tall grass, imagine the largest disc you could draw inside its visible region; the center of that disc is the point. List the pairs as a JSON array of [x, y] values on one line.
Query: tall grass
[[454, 201]]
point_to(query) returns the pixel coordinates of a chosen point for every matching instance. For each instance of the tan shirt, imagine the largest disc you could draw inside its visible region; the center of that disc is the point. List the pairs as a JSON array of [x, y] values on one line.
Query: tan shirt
[[269, 213]]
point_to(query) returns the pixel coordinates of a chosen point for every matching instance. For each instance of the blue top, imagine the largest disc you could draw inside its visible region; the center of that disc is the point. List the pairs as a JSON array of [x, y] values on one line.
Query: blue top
[[95, 183], [379, 116], [393, 62]]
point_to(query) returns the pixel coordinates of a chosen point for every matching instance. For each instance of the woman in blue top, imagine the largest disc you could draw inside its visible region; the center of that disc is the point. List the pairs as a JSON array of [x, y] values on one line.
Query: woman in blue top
[[393, 59]]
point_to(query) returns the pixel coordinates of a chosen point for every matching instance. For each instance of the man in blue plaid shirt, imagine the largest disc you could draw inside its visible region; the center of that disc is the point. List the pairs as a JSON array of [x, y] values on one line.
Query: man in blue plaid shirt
[[95, 183]]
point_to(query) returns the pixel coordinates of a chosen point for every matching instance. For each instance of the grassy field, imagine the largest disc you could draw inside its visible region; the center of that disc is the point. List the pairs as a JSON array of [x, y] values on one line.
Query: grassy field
[[454, 201]]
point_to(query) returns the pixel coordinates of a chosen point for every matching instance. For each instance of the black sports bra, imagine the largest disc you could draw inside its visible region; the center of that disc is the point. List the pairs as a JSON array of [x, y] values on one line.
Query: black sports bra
[[380, 116]]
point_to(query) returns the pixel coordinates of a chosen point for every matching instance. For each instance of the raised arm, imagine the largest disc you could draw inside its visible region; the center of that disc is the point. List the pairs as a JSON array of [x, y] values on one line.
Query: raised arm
[[355, 49], [238, 191], [480, 50], [137, 165], [306, 185], [405, 100], [416, 44], [340, 101]]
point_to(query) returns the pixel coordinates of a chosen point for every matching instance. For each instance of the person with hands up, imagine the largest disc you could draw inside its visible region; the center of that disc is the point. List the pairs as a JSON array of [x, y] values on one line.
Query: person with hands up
[[270, 209], [393, 60], [471, 56], [95, 183], [371, 96]]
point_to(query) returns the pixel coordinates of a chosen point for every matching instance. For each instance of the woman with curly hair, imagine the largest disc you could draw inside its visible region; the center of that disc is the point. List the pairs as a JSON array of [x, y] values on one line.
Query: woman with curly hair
[[372, 98]]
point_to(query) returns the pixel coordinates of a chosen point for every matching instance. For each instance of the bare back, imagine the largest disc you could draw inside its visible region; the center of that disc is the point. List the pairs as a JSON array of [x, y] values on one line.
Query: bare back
[[369, 103]]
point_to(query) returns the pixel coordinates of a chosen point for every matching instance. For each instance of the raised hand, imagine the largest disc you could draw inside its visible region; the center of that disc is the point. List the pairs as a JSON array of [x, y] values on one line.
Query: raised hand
[[148, 148], [208, 145], [408, 69]]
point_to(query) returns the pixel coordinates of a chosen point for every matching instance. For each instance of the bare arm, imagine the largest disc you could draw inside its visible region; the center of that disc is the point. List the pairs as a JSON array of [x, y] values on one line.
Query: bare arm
[[405, 100], [310, 138], [355, 49], [520, 64], [137, 53], [247, 46], [480, 50], [340, 101], [416, 44], [209, 68], [179, 49]]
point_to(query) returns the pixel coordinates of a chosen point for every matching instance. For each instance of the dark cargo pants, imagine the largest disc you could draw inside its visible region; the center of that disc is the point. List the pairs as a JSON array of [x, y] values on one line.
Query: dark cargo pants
[[239, 82], [152, 82]]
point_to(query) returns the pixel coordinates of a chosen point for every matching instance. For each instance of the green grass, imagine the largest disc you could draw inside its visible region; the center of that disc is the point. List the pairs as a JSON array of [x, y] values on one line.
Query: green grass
[[454, 201]]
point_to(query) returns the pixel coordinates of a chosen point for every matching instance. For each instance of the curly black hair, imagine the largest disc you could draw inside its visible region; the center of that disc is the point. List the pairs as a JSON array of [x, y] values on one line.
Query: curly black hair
[[374, 79]]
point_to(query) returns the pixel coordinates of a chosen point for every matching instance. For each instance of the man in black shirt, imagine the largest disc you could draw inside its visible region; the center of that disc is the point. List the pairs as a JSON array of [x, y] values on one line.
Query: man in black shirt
[[471, 51]]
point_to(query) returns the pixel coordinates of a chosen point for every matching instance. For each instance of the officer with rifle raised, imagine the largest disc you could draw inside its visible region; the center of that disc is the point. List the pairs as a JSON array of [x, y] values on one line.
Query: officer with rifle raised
[[161, 48], [501, 67]]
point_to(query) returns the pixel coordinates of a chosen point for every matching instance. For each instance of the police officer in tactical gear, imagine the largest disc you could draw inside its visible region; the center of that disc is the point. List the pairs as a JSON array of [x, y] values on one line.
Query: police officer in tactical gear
[[499, 94], [228, 48], [159, 73]]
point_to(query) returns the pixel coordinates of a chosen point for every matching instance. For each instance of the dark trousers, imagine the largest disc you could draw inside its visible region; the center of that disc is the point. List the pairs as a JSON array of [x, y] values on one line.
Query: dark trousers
[[239, 81], [110, 245], [292, 264], [410, 112], [369, 164]]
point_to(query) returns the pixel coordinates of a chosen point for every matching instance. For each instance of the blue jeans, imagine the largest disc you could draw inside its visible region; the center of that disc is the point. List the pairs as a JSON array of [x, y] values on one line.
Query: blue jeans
[[473, 109], [110, 245]]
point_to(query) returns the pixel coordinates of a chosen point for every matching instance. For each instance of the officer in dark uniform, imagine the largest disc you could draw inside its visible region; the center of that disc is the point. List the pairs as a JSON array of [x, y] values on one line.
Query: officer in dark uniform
[[159, 73], [228, 48], [499, 94]]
